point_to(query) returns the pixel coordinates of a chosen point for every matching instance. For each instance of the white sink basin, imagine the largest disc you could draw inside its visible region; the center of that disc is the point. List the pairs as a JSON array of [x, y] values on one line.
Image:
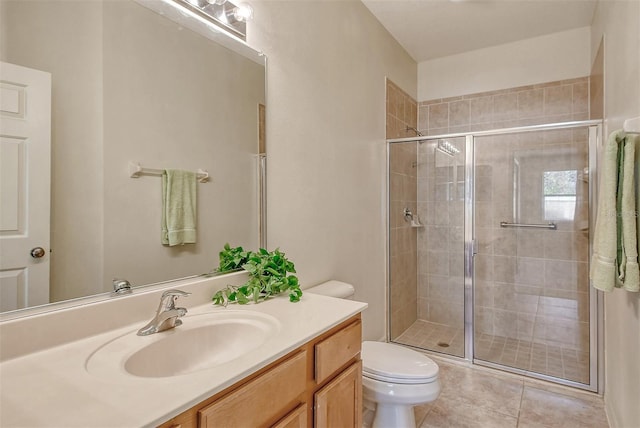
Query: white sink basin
[[202, 342]]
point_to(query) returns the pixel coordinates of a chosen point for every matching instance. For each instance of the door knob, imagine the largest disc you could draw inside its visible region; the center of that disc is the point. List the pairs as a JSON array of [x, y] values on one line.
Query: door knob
[[37, 252]]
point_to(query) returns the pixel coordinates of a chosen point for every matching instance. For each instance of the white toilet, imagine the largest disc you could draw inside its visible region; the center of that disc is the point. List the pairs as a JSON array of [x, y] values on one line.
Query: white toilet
[[394, 378]]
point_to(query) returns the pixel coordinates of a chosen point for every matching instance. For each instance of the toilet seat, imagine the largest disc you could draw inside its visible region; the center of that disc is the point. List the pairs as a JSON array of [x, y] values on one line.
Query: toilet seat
[[395, 364]]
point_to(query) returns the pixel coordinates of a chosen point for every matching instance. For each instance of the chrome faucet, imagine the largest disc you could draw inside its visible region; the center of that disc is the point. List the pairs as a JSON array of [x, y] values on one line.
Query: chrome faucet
[[167, 314]]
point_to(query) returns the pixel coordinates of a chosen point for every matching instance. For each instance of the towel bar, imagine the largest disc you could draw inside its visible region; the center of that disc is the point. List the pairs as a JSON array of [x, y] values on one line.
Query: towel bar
[[136, 170], [550, 225]]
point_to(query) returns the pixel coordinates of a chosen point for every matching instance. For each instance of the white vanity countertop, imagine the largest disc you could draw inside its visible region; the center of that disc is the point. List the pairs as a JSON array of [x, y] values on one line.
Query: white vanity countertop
[[52, 388]]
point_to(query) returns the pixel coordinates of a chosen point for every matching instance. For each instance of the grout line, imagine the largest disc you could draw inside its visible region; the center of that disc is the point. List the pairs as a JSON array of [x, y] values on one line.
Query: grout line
[[521, 400]]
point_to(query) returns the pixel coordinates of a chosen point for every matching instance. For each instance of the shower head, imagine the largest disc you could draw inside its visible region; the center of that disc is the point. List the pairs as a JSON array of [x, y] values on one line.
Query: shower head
[[411, 128]]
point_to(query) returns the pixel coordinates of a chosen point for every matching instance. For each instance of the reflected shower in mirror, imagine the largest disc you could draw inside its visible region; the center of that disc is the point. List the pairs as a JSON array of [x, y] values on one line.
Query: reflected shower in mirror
[[130, 85]]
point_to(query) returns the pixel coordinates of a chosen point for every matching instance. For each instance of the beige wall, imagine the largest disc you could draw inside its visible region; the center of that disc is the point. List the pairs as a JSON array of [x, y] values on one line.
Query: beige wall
[[618, 22], [326, 140], [557, 56]]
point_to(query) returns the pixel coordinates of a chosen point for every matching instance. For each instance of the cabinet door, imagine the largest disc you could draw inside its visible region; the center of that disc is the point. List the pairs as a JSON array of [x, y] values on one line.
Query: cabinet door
[[339, 403], [296, 419]]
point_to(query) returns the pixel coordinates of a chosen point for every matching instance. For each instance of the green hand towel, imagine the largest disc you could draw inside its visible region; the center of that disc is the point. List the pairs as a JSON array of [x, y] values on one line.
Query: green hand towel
[[604, 268], [615, 248], [178, 207], [628, 270]]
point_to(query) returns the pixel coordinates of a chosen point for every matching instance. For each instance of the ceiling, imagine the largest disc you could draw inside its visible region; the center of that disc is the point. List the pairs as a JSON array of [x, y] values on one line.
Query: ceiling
[[430, 29]]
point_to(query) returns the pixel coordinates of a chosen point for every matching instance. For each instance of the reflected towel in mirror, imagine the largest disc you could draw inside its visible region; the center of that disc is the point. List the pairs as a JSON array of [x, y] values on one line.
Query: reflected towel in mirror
[[178, 207]]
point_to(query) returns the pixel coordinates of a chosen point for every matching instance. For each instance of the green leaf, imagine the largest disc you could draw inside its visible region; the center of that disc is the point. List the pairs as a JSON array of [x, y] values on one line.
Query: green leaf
[[268, 275]]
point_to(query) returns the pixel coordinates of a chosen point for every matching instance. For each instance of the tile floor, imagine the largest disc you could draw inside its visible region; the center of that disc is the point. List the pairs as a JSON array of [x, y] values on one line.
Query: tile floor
[[478, 397], [542, 358]]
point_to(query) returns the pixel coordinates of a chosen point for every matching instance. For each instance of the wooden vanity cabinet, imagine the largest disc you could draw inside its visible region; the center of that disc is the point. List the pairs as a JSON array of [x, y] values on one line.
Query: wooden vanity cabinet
[[317, 385]]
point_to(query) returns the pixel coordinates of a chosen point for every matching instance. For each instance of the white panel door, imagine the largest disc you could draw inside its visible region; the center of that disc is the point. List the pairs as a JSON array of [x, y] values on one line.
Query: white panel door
[[25, 175]]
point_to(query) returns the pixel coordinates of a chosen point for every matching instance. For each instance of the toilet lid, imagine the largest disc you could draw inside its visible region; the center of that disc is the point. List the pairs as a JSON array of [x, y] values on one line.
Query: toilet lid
[[393, 363]]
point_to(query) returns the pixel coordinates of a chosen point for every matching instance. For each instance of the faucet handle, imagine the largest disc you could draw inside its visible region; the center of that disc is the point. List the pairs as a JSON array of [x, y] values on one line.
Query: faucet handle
[[177, 293], [167, 301]]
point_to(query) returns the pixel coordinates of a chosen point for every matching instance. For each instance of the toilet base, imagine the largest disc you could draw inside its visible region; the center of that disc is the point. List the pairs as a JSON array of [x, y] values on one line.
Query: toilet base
[[396, 416]]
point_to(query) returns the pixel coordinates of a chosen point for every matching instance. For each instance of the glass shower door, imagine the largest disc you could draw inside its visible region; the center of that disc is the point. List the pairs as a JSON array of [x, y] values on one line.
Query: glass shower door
[[427, 244], [531, 285]]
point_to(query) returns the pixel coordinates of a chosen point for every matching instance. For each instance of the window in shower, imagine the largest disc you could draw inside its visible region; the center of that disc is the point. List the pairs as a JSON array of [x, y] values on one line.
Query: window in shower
[[559, 188]]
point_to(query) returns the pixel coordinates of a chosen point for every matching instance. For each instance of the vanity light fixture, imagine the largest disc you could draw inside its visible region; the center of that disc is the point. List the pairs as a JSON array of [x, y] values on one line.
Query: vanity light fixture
[[222, 13], [447, 148]]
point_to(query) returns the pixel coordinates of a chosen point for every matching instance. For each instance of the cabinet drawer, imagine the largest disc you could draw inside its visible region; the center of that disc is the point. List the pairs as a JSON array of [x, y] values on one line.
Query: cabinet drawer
[[261, 401], [336, 350]]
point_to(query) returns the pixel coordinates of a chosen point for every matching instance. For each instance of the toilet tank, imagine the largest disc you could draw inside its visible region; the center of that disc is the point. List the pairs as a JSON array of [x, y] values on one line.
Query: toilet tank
[[333, 288]]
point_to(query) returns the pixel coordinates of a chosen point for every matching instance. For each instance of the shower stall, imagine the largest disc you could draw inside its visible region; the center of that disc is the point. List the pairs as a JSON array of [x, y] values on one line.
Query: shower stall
[[489, 248]]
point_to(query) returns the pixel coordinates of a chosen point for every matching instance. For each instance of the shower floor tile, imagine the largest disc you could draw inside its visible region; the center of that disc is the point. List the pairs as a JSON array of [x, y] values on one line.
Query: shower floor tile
[[434, 337], [564, 363]]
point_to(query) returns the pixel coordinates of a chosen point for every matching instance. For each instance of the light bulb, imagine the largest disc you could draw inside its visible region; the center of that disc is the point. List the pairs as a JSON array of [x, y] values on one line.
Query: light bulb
[[243, 12]]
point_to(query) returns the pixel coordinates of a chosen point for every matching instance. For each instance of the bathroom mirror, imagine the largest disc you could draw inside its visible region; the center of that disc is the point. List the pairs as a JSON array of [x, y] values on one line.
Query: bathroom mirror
[[137, 82]]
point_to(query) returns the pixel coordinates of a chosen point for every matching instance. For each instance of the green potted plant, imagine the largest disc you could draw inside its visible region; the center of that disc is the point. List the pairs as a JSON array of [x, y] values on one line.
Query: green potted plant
[[270, 273]]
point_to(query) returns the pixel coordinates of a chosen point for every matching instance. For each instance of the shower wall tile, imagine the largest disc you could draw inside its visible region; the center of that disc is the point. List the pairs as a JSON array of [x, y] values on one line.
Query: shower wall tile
[[438, 263], [456, 238], [483, 267], [530, 103], [423, 117], [566, 275], [530, 271], [439, 116], [395, 215], [504, 269], [459, 113], [558, 101], [566, 246], [481, 110], [505, 107], [530, 243], [402, 112], [484, 293], [483, 188], [504, 241], [580, 98]]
